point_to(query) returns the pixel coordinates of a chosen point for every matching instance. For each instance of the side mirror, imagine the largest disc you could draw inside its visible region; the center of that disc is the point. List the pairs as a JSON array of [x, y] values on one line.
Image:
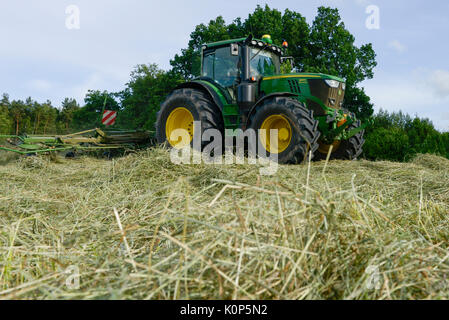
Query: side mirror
[[234, 49]]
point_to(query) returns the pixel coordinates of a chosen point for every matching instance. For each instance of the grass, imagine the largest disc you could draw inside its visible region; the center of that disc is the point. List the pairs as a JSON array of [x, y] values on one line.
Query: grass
[[141, 227]]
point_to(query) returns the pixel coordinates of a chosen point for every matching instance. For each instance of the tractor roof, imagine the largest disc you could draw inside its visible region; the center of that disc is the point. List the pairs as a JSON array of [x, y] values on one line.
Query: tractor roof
[[224, 42], [255, 42]]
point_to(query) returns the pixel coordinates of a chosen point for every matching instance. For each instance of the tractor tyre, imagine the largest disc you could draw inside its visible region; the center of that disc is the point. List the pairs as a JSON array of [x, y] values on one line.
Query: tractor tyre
[[349, 149], [297, 129], [179, 110]]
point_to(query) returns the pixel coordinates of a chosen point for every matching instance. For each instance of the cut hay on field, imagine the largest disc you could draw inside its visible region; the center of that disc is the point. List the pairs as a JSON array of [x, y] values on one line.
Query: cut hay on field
[[358, 230]]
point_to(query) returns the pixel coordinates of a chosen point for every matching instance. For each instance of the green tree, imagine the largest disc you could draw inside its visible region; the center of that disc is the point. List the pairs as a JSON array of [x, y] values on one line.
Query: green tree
[[188, 63], [38, 114], [424, 138], [445, 143], [50, 114], [146, 90], [17, 112], [68, 108], [387, 144], [290, 26], [357, 101], [397, 136], [5, 119], [89, 116]]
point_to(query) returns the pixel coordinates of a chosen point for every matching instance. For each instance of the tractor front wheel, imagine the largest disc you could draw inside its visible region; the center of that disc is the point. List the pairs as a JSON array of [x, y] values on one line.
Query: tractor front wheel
[[175, 120], [297, 129]]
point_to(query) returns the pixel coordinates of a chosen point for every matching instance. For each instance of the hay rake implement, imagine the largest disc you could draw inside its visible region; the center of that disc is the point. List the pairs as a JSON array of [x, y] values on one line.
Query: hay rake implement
[[84, 141]]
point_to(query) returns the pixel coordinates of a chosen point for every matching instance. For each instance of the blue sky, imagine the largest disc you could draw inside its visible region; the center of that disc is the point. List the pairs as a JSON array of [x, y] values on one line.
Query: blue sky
[[41, 58]]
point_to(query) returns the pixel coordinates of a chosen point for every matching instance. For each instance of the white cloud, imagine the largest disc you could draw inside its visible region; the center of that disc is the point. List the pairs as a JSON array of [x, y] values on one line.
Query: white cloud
[[397, 46], [439, 81]]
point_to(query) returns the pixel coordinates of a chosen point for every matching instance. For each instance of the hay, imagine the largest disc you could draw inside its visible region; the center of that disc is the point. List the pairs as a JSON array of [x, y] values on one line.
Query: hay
[[6, 157], [432, 162], [361, 230]]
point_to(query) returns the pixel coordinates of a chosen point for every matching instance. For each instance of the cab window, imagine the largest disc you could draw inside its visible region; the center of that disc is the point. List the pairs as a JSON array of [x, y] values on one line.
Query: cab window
[[221, 66], [264, 63]]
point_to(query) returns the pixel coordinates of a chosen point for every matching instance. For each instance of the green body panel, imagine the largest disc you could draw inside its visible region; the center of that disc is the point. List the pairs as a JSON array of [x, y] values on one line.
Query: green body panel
[[219, 93], [231, 116], [230, 111]]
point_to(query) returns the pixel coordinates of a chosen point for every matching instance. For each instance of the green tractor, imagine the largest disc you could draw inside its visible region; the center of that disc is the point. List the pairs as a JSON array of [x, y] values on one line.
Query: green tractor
[[241, 87]]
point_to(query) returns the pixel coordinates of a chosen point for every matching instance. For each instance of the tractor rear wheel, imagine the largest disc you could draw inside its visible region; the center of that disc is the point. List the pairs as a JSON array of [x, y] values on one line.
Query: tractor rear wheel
[[179, 110], [297, 129], [349, 149]]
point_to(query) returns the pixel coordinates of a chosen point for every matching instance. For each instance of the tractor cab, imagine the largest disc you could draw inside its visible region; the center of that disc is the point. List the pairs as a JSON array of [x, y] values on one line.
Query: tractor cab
[[232, 62]]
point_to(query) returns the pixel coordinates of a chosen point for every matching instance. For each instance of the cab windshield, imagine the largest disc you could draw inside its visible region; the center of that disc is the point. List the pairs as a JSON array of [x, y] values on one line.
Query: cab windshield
[[264, 63]]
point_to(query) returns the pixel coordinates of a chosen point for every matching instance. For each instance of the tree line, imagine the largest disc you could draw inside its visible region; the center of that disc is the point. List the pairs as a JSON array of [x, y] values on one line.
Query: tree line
[[399, 137], [31, 117], [324, 45]]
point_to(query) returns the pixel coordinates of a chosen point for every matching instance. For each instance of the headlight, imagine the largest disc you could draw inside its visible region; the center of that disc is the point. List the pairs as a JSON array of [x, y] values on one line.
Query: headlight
[[332, 83], [254, 42], [343, 86], [260, 44]]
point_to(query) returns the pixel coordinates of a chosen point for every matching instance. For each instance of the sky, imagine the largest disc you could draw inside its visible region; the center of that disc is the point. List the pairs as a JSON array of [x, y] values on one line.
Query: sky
[[47, 54]]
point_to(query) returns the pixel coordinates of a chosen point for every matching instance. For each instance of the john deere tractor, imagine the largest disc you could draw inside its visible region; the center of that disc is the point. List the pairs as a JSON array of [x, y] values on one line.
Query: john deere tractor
[[241, 87]]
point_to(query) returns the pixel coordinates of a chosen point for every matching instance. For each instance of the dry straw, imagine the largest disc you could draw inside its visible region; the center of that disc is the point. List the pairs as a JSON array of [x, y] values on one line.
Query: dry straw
[[341, 230]]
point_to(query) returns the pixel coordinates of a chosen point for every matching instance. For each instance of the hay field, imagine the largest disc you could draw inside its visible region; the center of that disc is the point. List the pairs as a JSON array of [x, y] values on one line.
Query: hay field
[[356, 230]]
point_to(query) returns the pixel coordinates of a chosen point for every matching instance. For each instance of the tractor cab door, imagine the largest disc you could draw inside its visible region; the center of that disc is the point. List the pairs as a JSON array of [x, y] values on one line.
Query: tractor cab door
[[222, 65]]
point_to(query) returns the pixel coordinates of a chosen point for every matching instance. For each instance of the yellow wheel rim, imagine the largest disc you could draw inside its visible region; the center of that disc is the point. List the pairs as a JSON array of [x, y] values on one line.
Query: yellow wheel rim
[[179, 118], [324, 148], [280, 123]]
